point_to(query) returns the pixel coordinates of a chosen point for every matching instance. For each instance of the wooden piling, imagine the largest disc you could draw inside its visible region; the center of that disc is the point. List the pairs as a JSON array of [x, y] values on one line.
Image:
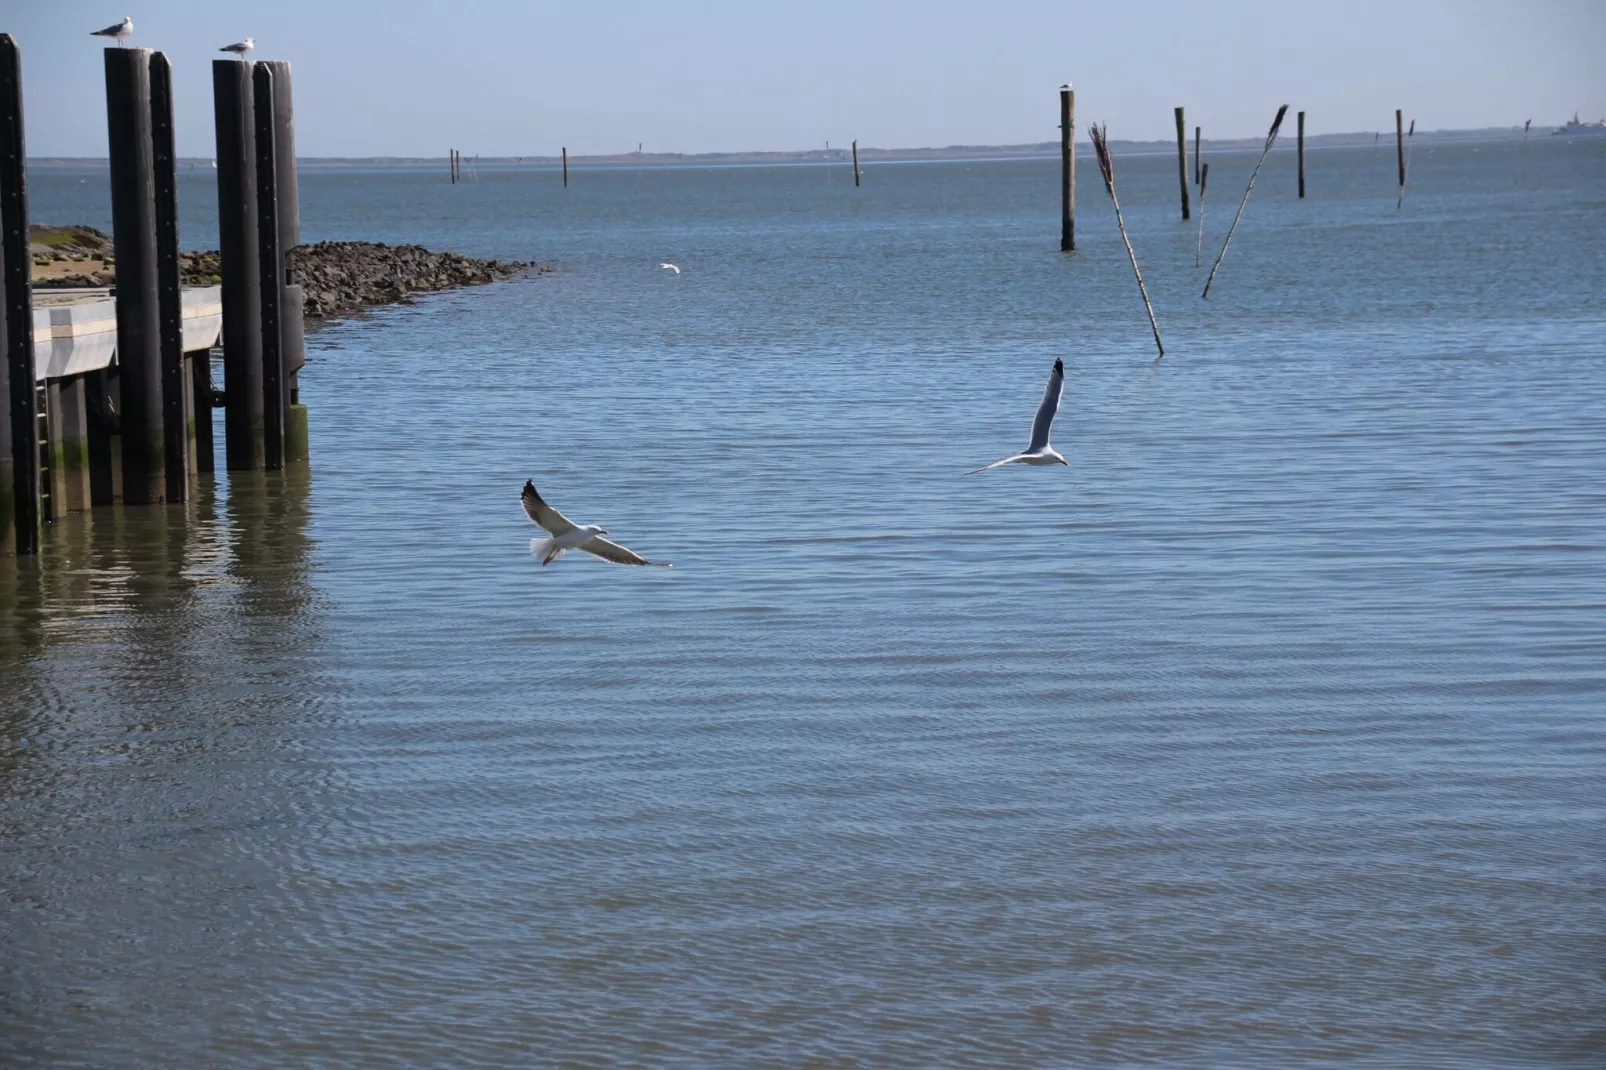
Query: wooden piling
[[275, 384], [1067, 168], [855, 165], [19, 417], [1301, 155], [69, 445], [1182, 161], [134, 241], [1198, 178], [565, 167], [235, 116], [1399, 148], [169, 291], [201, 406], [105, 438], [292, 299]]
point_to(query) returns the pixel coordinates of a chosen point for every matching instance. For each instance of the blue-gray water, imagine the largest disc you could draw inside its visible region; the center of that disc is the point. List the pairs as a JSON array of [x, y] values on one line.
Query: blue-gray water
[[1272, 730]]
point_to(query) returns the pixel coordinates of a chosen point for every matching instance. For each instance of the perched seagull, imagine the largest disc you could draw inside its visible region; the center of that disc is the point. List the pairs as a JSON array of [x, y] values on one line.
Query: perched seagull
[[566, 535], [1038, 451], [240, 48], [670, 267], [120, 31]]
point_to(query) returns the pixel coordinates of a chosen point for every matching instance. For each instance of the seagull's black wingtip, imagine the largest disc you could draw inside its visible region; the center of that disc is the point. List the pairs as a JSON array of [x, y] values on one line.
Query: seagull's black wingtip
[[1059, 365], [529, 489]]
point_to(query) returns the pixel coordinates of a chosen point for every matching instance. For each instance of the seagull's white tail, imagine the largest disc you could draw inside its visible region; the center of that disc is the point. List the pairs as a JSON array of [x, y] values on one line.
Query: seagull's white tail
[[544, 551]]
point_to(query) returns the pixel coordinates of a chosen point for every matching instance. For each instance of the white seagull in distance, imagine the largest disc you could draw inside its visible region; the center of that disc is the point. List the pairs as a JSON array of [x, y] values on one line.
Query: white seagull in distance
[[670, 267], [1038, 451], [119, 31], [566, 535], [240, 48]]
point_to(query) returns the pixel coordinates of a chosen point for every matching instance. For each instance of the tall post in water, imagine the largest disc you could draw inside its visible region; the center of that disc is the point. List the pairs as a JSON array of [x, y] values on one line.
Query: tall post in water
[[292, 329], [1182, 161], [139, 312], [275, 388], [19, 418], [1198, 180], [1301, 155], [169, 300], [235, 115], [565, 167], [855, 165], [1399, 147], [1067, 168]]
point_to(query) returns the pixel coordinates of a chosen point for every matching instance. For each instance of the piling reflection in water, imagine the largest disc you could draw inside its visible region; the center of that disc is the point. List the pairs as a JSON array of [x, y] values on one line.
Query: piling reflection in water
[[154, 666]]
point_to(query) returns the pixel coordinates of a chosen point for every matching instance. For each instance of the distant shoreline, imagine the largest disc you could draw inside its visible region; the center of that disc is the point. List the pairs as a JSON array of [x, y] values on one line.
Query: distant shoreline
[[1035, 150]]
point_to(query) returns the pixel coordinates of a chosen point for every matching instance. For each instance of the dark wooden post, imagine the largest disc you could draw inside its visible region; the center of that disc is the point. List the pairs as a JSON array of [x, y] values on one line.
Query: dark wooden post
[[1067, 168], [235, 114], [169, 299], [139, 313], [565, 167], [1399, 145], [19, 417], [201, 409], [292, 329], [1197, 180], [1182, 161], [855, 164], [275, 386], [1301, 155]]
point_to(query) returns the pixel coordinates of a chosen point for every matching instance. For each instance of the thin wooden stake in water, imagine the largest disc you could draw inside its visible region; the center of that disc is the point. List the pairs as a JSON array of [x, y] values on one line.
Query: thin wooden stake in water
[[855, 165], [1405, 164], [1271, 139], [1399, 151], [1101, 147], [1204, 177], [1301, 155], [1067, 168], [1182, 161], [565, 167], [1197, 180]]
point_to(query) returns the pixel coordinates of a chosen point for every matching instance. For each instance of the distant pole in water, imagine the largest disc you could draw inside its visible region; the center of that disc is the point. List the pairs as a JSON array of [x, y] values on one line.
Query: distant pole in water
[[1406, 170], [855, 165], [1271, 139], [1301, 155], [1399, 151], [1182, 161], [1067, 168], [1198, 178], [1522, 176], [565, 167], [1101, 147], [1204, 177]]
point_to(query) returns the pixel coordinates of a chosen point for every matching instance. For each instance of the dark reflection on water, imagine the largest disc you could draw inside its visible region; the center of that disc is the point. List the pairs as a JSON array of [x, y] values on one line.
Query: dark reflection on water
[[161, 695], [1269, 731]]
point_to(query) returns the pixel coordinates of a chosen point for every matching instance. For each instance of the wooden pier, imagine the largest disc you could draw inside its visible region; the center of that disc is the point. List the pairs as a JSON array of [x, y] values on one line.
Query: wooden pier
[[106, 396]]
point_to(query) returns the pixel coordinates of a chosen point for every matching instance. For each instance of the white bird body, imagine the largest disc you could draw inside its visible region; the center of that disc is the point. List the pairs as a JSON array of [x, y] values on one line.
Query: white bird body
[[670, 267], [240, 48], [119, 31], [564, 534], [1038, 452]]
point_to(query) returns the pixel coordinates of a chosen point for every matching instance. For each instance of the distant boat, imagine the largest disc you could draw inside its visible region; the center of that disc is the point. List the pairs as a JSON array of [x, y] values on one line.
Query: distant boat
[[1574, 128]]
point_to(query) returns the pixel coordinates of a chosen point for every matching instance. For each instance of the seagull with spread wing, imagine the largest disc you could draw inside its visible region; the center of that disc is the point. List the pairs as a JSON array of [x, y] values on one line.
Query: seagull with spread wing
[[567, 535], [1038, 451]]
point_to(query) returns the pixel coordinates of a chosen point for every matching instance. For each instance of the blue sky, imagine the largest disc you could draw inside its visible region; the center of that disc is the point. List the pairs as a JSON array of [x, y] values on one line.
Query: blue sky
[[504, 77]]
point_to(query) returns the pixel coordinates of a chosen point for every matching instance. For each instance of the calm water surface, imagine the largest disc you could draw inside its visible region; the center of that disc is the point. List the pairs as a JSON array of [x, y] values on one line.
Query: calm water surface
[[1270, 731]]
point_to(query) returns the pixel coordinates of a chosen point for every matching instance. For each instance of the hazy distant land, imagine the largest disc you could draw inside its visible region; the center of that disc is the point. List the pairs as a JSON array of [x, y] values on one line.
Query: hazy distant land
[[1035, 150]]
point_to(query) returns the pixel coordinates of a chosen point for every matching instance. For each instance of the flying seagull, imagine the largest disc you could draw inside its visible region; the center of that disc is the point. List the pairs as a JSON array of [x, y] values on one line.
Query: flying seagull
[[119, 31], [671, 267], [240, 48], [566, 535], [1038, 451]]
